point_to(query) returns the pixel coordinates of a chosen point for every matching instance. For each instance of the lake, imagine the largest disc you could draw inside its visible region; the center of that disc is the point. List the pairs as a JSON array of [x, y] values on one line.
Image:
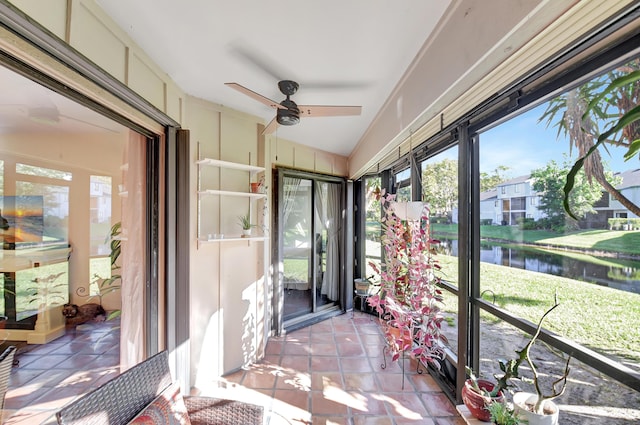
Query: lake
[[619, 274]]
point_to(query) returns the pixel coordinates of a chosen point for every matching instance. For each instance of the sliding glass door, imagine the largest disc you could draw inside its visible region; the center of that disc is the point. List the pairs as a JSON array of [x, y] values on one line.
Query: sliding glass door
[[309, 240]]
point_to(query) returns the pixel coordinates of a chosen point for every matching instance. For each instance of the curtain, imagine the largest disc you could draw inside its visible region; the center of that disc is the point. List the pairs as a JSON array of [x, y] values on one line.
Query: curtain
[[133, 252], [331, 219], [291, 185]]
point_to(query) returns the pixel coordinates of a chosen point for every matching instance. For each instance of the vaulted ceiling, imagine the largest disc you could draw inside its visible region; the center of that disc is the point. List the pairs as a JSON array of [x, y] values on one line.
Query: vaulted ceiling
[[404, 62], [340, 52]]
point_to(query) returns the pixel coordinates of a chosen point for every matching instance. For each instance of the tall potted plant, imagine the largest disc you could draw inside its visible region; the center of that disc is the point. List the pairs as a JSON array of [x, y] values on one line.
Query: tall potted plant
[[409, 300], [539, 408], [535, 409]]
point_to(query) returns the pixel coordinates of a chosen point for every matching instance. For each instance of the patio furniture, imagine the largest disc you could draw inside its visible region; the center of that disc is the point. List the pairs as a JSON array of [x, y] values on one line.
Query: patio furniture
[[6, 361], [120, 400]]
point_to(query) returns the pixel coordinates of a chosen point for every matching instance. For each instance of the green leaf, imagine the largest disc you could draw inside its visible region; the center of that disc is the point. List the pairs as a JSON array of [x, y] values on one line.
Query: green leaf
[[634, 147], [614, 85], [628, 118]]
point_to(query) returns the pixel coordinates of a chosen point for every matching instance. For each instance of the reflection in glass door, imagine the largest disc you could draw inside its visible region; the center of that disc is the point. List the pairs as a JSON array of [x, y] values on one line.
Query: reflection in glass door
[[311, 226], [297, 248]]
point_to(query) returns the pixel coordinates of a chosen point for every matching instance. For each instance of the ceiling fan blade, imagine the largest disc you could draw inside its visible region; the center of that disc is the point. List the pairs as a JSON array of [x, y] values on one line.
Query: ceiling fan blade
[[271, 127], [328, 111], [257, 96]]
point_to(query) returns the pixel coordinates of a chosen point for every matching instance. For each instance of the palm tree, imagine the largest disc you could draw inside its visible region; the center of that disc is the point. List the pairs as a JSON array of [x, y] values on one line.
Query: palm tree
[[584, 112]]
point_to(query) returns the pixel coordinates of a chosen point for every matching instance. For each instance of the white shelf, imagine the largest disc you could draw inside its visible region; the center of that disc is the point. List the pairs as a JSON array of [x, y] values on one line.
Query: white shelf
[[227, 164], [250, 171], [231, 193]]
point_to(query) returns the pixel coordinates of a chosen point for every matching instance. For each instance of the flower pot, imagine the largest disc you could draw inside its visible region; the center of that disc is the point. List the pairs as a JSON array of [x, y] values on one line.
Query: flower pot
[[255, 187], [246, 233], [477, 403], [362, 286], [524, 403]]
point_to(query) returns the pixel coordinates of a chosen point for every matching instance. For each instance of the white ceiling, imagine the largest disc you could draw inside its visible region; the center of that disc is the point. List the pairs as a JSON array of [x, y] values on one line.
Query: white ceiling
[[341, 52]]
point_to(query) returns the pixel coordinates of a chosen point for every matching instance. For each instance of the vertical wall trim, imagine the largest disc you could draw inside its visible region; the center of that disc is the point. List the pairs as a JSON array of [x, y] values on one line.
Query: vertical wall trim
[[178, 240], [474, 254], [152, 243], [348, 244], [127, 55], [165, 96], [67, 24]]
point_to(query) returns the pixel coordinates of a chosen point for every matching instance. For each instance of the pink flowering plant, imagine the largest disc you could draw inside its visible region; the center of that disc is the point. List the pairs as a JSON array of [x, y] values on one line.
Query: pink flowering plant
[[410, 299]]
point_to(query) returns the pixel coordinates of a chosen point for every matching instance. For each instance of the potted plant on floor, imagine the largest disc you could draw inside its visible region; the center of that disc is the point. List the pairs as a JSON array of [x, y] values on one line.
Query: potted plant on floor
[[539, 408], [409, 299], [536, 409], [480, 394]]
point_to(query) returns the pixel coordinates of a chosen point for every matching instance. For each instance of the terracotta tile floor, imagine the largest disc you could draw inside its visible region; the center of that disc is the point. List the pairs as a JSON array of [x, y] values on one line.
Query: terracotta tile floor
[[49, 376], [328, 373]]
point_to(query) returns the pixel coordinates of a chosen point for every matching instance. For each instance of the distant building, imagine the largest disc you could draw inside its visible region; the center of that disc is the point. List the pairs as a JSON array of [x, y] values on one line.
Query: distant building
[[509, 201], [516, 198], [607, 207]]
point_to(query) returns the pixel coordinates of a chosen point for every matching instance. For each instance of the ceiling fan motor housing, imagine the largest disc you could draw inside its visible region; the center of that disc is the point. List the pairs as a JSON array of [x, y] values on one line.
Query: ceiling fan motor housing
[[288, 87], [289, 116]]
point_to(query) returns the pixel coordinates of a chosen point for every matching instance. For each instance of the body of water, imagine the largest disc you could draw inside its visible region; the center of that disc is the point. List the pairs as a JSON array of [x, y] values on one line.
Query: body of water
[[625, 277]]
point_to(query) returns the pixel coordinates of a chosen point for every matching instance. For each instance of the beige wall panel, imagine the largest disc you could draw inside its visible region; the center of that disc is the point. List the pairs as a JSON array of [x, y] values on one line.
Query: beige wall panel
[[205, 315], [144, 81], [282, 152], [95, 40], [224, 290], [206, 345], [175, 102], [303, 158], [238, 297], [327, 163], [239, 138], [341, 166], [323, 162], [51, 14]]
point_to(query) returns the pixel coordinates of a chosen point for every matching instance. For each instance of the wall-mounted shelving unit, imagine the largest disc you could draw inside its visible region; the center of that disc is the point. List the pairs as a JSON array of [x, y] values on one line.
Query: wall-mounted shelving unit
[[252, 170]]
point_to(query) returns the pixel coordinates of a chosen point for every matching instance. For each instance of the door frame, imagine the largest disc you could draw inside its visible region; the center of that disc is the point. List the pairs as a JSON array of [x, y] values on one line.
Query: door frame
[[278, 323], [148, 120]]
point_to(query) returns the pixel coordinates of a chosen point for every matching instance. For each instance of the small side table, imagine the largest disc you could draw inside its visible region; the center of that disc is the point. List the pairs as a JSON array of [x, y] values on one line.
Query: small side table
[[363, 296]]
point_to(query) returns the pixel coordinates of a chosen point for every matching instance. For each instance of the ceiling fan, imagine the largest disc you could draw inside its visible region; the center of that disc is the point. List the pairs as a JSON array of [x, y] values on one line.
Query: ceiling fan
[[288, 112], [45, 113]]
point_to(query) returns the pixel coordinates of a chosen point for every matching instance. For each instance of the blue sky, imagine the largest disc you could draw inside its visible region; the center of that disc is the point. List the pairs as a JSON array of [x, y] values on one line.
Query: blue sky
[[523, 144]]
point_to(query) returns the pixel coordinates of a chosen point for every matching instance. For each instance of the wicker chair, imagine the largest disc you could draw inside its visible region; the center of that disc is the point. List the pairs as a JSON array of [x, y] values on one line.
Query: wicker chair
[[6, 361], [118, 401]]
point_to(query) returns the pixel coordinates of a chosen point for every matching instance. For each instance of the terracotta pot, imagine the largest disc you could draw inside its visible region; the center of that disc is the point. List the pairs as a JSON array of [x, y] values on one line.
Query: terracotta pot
[[523, 402], [477, 403], [255, 187]]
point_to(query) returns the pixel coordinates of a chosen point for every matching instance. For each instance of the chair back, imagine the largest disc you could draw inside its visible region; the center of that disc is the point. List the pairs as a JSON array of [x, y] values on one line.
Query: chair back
[[121, 399], [6, 361]]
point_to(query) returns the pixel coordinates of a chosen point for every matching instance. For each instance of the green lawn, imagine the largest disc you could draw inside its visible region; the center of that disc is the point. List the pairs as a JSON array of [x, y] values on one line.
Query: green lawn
[[604, 319], [296, 269], [626, 242]]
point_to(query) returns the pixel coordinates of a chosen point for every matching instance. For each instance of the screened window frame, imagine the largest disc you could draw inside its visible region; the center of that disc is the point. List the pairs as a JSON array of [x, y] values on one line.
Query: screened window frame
[[559, 75]]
